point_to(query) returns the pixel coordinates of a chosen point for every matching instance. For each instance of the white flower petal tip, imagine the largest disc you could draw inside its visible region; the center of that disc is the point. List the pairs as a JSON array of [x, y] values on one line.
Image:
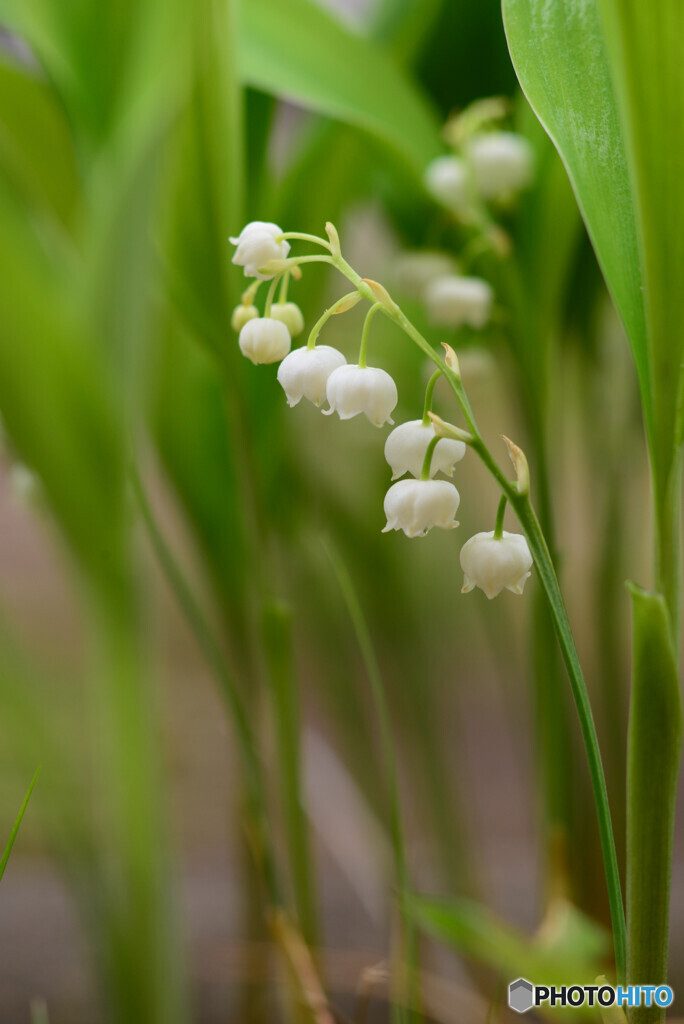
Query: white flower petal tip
[[452, 301], [259, 243], [502, 164], [264, 340], [407, 444], [416, 506], [446, 179], [353, 389], [289, 314], [304, 373], [496, 564]]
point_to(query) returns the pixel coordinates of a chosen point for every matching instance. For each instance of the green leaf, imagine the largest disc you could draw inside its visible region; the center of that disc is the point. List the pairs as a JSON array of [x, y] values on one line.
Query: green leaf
[[653, 762], [17, 824], [568, 946], [560, 56], [300, 52]]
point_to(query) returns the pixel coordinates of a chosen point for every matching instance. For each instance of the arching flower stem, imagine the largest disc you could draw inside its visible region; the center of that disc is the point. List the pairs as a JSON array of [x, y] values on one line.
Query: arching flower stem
[[427, 461], [363, 348], [500, 512], [429, 391], [323, 319]]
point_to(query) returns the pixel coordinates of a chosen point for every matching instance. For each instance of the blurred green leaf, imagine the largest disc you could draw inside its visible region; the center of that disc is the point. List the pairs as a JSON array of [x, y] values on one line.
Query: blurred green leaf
[[31, 126], [653, 761], [299, 51]]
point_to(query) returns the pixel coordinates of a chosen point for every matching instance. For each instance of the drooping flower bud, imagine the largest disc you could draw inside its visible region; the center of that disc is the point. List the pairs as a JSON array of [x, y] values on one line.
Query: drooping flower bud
[[357, 389], [415, 506], [502, 163], [446, 179], [259, 243], [241, 315], [289, 314], [407, 444], [304, 373], [492, 564], [264, 340], [453, 301]]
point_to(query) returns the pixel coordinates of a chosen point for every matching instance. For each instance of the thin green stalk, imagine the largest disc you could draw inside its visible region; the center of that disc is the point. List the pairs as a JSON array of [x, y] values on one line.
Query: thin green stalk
[[277, 634], [325, 316], [429, 392], [363, 348], [211, 648], [500, 513], [363, 637], [17, 823], [427, 461]]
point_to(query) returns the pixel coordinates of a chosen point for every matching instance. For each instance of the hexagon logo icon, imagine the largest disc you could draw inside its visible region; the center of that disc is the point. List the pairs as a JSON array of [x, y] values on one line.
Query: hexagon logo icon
[[521, 995]]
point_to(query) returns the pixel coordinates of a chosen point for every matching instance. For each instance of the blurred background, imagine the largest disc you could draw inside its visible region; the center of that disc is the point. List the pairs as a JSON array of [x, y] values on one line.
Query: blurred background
[[245, 563]]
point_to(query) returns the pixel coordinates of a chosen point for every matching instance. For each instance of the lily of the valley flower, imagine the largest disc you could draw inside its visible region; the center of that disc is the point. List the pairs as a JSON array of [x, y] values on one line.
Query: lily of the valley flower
[[407, 444], [289, 314], [264, 340], [415, 506], [241, 315], [446, 179], [357, 389], [453, 301], [492, 564], [304, 373], [257, 244], [502, 163]]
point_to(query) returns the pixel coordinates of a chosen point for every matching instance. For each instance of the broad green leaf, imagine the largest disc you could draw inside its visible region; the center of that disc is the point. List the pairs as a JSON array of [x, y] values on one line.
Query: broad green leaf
[[560, 56], [653, 762], [300, 52], [644, 44]]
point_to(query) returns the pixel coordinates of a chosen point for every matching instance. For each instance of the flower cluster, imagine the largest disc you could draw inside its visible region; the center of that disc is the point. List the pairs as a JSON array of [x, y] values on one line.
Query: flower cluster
[[414, 450]]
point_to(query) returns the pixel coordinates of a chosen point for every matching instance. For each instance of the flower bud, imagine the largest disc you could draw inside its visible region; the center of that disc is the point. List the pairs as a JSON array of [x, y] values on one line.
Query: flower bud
[[415, 506], [453, 301], [492, 564], [264, 340], [446, 179], [502, 163], [368, 389], [259, 243], [289, 314], [304, 373], [407, 444], [241, 315]]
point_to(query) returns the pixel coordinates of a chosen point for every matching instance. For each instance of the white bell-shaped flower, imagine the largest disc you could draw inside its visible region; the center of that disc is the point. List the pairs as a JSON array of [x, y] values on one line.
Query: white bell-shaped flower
[[415, 506], [502, 164], [264, 340], [257, 244], [492, 564], [289, 314], [407, 444], [304, 373], [354, 389], [414, 269], [446, 179], [453, 301], [241, 315]]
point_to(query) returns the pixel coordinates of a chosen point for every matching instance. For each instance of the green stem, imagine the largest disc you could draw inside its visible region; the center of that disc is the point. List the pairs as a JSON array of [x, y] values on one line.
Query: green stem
[[270, 295], [429, 392], [547, 575], [17, 823], [323, 319], [500, 513], [427, 461], [363, 348], [284, 285], [302, 237]]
